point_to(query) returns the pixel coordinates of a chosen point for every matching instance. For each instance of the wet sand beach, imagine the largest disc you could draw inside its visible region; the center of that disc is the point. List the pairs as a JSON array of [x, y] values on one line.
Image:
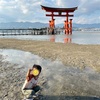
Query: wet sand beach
[[76, 78]]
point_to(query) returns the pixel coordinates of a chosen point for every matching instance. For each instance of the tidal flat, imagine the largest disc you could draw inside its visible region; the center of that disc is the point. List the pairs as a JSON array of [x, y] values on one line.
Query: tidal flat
[[70, 71]]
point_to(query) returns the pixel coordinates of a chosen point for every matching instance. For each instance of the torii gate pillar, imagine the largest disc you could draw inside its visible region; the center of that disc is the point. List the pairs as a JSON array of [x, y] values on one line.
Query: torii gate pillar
[[70, 26], [52, 23]]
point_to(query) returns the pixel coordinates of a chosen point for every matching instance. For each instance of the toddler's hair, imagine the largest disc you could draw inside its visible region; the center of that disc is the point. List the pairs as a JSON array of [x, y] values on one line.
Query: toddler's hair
[[37, 67]]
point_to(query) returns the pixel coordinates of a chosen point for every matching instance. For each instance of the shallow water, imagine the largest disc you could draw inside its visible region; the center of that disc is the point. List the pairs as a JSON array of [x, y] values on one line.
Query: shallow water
[[78, 37]]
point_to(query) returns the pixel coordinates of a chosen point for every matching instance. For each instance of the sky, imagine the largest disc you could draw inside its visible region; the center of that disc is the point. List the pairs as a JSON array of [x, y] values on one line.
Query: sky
[[88, 11]]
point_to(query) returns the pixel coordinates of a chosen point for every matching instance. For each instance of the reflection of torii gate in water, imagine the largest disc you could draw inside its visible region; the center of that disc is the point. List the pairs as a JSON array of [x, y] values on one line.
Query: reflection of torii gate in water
[[62, 12]]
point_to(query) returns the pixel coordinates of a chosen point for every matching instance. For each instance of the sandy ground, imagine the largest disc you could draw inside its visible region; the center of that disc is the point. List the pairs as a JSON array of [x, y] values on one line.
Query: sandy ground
[[75, 80], [10, 82], [70, 54]]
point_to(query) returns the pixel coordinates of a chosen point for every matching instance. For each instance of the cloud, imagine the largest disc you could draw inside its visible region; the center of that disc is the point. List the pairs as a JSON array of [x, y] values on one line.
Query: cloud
[[16, 10], [88, 7], [88, 12], [87, 19], [67, 3], [30, 10]]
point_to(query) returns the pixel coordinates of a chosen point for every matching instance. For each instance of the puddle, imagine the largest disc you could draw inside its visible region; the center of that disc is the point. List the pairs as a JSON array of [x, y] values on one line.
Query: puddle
[[20, 57]]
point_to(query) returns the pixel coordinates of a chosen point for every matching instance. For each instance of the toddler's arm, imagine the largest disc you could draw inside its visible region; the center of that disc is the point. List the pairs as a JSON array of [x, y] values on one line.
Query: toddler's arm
[[28, 74]]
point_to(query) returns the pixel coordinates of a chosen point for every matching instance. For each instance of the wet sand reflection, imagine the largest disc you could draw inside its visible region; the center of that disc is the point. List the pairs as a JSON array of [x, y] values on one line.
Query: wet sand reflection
[[52, 38], [65, 39]]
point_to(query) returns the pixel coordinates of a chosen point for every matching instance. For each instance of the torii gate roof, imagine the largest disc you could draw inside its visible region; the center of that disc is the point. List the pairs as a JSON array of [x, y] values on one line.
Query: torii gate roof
[[51, 9]]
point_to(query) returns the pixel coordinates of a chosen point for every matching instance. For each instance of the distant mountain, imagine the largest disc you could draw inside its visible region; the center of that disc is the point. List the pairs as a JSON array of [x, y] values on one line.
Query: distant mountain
[[83, 25], [38, 25], [11, 25]]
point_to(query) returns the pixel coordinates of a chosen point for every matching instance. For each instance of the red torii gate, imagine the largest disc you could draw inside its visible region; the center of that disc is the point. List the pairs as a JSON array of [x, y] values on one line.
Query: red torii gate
[[59, 13]]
